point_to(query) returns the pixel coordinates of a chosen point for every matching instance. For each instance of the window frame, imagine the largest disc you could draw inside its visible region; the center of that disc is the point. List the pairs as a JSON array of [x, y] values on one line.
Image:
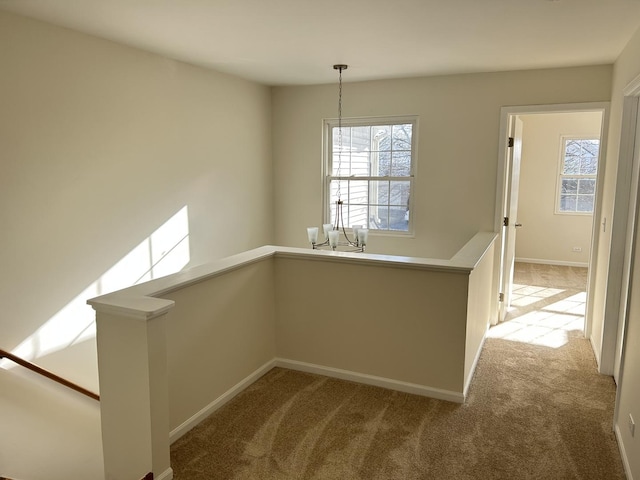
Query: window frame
[[327, 166], [559, 177]]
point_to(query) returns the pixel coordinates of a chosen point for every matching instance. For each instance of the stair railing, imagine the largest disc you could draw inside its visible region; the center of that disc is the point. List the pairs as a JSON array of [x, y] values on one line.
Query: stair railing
[[52, 376]]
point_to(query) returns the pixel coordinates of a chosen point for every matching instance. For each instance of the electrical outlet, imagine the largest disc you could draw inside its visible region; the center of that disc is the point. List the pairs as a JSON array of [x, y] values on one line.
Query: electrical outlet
[[576, 249], [632, 425]]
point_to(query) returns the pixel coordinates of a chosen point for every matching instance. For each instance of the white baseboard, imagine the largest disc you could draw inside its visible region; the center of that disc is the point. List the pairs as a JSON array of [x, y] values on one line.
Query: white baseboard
[[623, 453], [596, 352], [194, 420], [166, 475], [467, 383], [406, 387], [560, 263]]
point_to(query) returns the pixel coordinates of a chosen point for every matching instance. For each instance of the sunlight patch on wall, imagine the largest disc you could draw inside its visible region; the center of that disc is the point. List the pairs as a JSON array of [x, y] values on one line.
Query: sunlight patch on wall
[[164, 252]]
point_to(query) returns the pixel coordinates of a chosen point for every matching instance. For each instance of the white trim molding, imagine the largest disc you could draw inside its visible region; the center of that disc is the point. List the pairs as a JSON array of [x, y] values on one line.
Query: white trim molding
[[623, 453], [467, 383], [219, 402], [166, 475], [560, 263], [373, 380]]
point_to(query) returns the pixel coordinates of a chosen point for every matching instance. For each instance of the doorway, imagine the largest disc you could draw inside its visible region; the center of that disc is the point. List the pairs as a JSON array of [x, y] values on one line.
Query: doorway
[[533, 199]]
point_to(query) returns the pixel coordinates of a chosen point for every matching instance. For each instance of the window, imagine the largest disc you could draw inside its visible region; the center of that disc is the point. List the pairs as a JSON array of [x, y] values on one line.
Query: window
[[372, 174], [578, 169]]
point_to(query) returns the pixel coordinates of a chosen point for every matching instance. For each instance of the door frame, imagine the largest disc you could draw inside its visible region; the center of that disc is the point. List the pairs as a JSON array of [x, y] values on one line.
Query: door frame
[[503, 179], [628, 161], [624, 228]]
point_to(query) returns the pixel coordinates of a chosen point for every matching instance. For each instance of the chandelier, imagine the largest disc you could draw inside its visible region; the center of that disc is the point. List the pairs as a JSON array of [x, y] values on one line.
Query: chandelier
[[335, 234]]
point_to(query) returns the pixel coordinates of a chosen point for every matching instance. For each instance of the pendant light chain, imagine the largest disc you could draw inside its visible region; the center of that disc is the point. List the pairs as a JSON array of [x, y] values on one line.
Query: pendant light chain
[[339, 68]]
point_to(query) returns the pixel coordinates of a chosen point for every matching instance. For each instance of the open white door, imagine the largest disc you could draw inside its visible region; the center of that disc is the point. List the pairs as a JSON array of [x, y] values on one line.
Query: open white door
[[631, 143], [510, 213]]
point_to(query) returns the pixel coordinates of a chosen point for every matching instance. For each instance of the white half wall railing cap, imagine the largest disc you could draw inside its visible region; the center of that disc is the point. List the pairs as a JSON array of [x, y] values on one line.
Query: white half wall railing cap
[[143, 302]]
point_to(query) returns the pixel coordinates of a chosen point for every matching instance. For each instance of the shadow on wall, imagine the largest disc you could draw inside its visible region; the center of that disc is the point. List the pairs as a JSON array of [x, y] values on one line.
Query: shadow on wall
[[163, 252]]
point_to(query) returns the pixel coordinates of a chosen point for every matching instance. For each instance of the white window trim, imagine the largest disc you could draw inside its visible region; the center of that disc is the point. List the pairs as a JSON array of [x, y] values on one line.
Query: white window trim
[[328, 123], [559, 175]]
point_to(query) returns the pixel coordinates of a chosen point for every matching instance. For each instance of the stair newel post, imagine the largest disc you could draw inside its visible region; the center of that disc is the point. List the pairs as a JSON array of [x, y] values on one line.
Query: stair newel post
[[132, 366]]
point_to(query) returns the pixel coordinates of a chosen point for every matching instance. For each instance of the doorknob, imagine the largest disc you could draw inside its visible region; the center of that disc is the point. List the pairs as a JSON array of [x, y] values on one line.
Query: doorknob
[[518, 225]]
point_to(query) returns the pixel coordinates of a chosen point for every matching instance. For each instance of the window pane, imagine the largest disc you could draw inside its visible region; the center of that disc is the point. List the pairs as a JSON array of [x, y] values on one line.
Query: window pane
[[379, 192], [571, 166], [357, 192], [360, 163], [346, 138], [361, 139], [332, 213], [573, 147], [568, 203], [589, 165], [586, 186], [398, 218], [381, 138], [340, 163], [338, 188], [401, 166], [402, 137], [591, 147], [569, 185], [585, 203], [355, 215], [379, 217], [399, 194], [381, 164]]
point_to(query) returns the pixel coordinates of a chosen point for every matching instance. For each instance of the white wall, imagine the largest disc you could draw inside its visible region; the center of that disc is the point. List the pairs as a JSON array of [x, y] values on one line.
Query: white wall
[[546, 236], [383, 324], [101, 145], [220, 331], [459, 119], [626, 68]]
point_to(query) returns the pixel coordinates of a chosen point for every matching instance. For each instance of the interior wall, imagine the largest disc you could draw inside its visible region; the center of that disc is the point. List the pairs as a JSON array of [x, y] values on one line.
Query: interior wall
[[480, 310], [220, 331], [626, 68], [459, 117], [102, 145], [362, 333], [546, 236]]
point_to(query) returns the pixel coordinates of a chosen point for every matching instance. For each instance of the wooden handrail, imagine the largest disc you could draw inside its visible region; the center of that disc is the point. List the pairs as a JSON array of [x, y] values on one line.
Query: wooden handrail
[[46, 373]]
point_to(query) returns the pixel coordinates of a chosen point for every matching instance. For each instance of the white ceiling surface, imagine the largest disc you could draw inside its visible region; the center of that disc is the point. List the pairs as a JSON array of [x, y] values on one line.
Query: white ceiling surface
[[287, 42]]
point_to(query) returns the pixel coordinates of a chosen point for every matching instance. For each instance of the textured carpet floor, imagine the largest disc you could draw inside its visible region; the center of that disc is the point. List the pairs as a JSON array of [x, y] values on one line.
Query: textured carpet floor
[[533, 412]]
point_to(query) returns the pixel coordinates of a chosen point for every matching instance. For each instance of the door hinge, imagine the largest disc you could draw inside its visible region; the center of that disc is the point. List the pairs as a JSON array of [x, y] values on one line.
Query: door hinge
[[501, 297], [511, 142], [505, 222]]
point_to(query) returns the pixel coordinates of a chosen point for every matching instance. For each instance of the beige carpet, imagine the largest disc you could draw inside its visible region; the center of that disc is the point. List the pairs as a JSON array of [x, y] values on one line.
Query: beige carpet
[[533, 412]]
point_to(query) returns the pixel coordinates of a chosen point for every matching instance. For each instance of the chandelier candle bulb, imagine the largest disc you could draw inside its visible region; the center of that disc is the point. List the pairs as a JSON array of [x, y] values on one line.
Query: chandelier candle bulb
[[355, 229], [333, 238], [312, 233], [326, 228], [363, 235]]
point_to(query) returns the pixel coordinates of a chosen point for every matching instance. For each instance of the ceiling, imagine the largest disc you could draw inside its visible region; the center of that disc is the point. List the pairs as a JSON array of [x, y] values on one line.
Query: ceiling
[[289, 42]]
